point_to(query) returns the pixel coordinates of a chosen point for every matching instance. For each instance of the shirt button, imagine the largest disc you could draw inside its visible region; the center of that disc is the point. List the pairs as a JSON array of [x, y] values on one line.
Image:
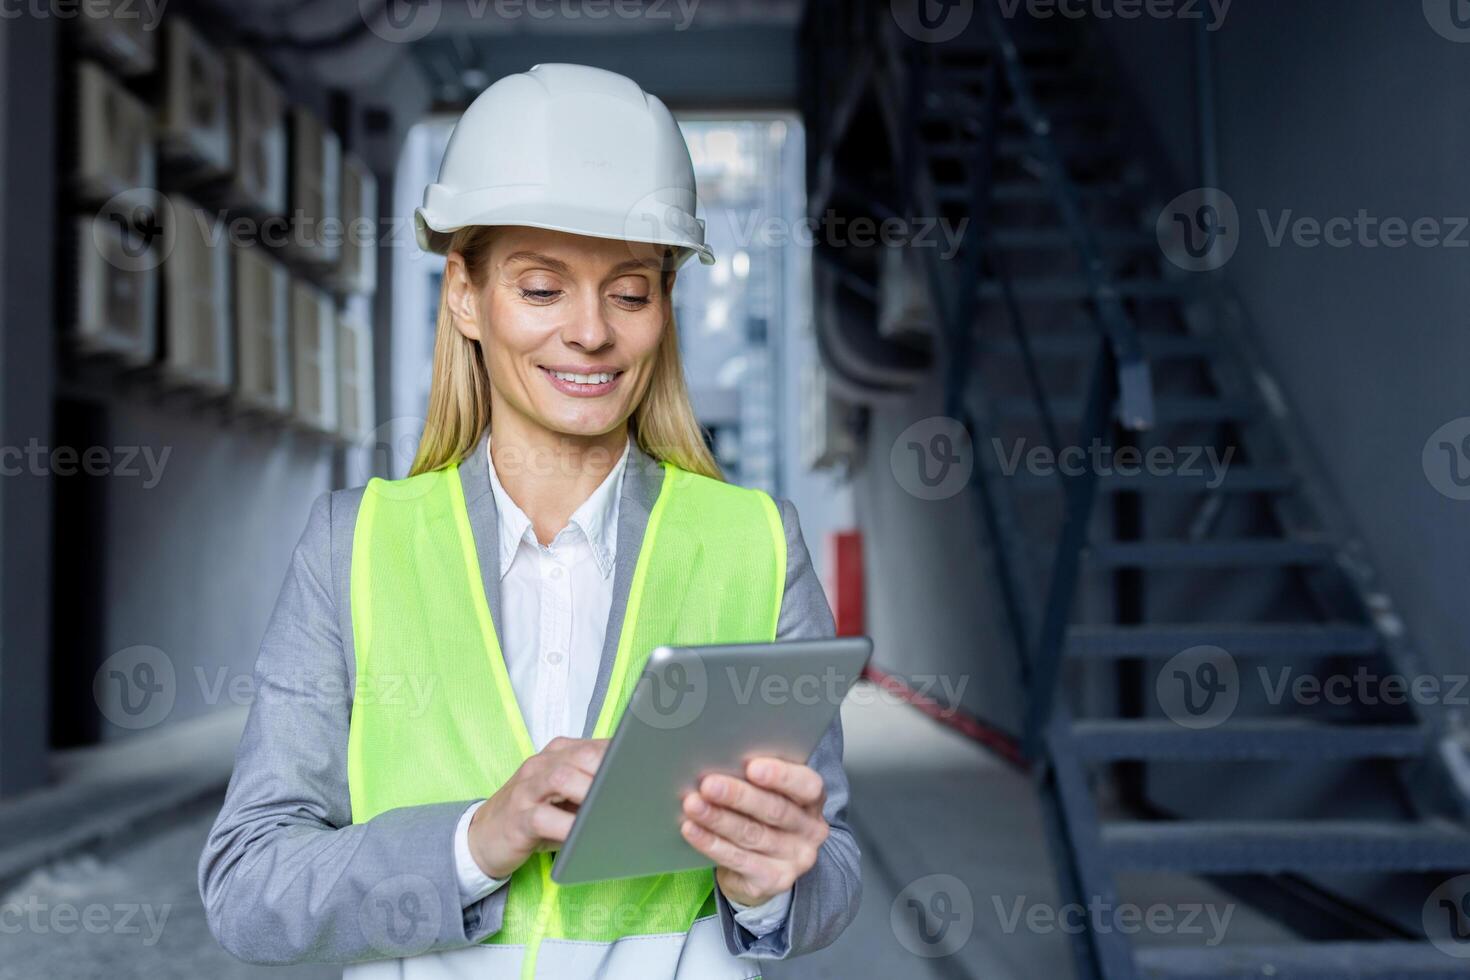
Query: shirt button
[[554, 657]]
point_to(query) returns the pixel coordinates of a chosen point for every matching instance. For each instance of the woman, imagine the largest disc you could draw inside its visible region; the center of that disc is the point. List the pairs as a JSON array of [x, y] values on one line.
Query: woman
[[451, 651]]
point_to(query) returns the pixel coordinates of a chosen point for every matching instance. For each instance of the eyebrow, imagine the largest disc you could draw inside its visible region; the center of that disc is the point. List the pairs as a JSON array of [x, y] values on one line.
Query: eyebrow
[[631, 265]]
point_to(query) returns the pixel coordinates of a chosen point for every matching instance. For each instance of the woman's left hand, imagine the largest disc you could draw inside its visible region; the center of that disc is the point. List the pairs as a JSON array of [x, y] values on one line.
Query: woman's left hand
[[763, 831]]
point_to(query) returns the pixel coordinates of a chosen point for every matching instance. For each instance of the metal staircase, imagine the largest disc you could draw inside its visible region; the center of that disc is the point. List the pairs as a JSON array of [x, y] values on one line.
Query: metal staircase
[[1058, 324]]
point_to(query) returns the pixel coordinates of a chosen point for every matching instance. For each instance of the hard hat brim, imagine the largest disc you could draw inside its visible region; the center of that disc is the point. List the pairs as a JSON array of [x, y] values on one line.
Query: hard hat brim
[[434, 233]]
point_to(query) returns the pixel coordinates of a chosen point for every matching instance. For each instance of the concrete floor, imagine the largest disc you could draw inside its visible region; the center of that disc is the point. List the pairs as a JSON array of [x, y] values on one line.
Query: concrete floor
[[942, 825]]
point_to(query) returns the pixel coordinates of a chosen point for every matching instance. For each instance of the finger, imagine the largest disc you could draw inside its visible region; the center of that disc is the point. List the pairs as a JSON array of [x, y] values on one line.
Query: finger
[[551, 823], [565, 781], [586, 753], [765, 874], [797, 782], [761, 804], [752, 835]]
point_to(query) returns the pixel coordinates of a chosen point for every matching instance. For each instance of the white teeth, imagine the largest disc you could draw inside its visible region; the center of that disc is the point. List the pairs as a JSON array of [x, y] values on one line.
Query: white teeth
[[601, 377]]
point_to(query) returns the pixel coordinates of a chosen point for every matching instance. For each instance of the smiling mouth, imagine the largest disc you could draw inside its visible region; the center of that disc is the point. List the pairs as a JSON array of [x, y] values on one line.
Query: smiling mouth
[[582, 383]]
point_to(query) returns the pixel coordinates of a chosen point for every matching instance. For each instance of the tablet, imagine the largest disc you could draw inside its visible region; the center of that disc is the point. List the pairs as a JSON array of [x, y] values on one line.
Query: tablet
[[698, 710]]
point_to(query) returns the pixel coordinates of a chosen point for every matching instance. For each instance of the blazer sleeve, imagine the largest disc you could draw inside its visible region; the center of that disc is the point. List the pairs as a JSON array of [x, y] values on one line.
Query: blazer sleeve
[[826, 898], [285, 876]]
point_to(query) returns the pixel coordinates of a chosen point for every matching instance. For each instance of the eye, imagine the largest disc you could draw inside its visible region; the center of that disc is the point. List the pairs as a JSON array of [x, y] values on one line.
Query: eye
[[633, 302], [539, 295]]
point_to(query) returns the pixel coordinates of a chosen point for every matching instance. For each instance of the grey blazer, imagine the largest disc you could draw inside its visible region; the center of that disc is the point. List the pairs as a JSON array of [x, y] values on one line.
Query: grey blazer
[[285, 871]]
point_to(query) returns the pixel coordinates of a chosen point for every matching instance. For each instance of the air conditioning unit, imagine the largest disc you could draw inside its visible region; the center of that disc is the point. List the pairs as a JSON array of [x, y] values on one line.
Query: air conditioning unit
[[903, 295], [196, 307], [261, 352], [116, 290], [194, 121], [258, 126], [357, 272], [355, 377], [121, 33], [316, 191], [827, 437], [114, 138], [314, 356]]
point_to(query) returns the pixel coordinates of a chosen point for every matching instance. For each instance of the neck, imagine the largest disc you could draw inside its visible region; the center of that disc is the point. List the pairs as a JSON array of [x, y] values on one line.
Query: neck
[[550, 474]]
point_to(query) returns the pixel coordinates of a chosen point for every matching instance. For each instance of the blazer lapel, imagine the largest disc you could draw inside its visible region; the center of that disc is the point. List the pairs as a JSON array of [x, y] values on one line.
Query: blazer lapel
[[474, 476], [642, 481]]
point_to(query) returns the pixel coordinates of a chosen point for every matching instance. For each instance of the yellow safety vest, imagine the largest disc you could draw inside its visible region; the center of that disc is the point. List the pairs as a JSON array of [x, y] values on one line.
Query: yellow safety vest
[[711, 569]]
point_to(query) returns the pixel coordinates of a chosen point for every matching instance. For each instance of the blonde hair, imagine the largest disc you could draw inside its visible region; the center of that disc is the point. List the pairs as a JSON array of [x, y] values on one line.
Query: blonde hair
[[663, 424]]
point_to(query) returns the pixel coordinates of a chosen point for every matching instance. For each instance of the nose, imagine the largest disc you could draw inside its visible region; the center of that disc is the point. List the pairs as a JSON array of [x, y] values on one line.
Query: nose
[[587, 329]]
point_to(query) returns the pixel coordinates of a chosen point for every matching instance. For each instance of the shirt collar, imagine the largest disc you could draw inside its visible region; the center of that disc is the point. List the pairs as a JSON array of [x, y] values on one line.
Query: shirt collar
[[596, 517]]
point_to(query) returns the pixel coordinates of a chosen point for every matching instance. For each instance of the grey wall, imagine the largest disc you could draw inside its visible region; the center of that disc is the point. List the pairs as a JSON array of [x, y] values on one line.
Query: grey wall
[[1326, 109]]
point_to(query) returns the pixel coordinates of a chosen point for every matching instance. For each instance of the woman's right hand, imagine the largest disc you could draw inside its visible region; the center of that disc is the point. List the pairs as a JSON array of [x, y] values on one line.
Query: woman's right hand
[[535, 808]]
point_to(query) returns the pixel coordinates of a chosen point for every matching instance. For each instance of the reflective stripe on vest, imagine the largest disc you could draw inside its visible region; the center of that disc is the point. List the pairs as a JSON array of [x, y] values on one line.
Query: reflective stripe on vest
[[711, 569]]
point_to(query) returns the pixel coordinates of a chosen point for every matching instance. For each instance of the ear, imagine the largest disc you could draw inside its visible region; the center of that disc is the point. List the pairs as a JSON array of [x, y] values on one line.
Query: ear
[[461, 297]]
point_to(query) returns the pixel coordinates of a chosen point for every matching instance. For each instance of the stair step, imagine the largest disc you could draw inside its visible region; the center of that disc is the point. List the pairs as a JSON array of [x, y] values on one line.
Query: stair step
[[1167, 410], [1240, 639], [1084, 341], [1301, 961], [1235, 480], [1285, 846], [1264, 739], [1075, 289], [1212, 553]]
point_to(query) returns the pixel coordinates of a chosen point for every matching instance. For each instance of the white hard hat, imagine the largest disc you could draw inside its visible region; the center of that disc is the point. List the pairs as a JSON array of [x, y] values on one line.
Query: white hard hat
[[569, 148]]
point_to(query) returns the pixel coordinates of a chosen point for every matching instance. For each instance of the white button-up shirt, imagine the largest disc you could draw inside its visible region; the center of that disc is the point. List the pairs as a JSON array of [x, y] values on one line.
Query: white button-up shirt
[[554, 606]]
